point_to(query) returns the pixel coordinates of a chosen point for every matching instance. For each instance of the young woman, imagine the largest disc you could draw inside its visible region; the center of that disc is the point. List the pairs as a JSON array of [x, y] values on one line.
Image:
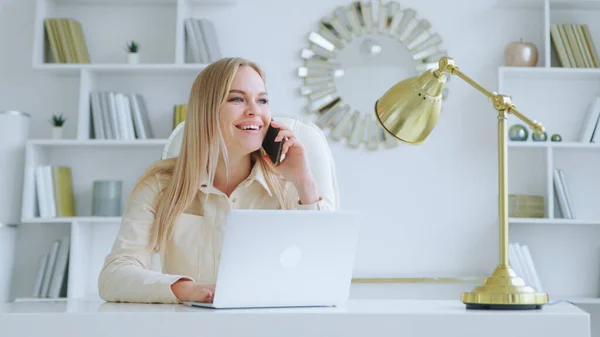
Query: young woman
[[178, 206]]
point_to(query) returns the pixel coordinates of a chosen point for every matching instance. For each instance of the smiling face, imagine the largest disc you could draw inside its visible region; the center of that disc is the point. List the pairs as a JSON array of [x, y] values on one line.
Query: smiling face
[[245, 116]]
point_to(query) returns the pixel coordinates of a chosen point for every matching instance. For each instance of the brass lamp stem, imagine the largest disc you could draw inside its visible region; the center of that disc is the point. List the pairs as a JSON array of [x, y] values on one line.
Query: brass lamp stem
[[504, 289], [503, 187]]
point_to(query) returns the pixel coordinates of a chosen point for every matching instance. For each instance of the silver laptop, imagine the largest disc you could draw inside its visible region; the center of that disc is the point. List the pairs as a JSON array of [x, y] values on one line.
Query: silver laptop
[[285, 258]]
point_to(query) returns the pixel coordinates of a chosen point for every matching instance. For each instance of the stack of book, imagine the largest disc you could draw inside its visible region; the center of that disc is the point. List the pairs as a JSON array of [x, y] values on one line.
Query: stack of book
[[52, 276], [179, 113], [519, 258], [590, 132], [64, 41], [574, 46], [562, 194], [54, 187], [116, 115], [201, 44]]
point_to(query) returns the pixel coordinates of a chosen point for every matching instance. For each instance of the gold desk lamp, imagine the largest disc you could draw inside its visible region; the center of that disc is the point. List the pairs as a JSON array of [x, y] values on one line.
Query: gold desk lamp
[[408, 111]]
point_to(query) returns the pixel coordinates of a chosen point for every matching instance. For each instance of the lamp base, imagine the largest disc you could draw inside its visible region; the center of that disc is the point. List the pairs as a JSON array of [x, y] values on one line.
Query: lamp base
[[504, 290]]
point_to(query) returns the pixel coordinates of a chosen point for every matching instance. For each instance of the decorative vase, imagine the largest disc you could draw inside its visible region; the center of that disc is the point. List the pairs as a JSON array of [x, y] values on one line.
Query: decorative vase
[[518, 133], [539, 138], [133, 58], [521, 54], [57, 132]]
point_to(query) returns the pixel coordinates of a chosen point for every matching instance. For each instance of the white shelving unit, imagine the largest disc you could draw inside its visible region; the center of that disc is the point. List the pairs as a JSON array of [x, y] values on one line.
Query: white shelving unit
[[162, 78], [565, 251]]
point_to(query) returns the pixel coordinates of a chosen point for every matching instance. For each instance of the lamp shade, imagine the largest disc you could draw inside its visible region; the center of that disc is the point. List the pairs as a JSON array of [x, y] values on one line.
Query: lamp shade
[[410, 109]]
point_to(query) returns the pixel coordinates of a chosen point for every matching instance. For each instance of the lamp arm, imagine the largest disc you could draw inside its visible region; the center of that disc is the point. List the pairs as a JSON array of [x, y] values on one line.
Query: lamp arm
[[501, 102]]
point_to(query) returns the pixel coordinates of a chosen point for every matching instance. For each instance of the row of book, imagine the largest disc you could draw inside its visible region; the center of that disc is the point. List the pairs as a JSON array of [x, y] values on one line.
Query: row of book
[[54, 189], [64, 41], [117, 115], [563, 196], [52, 276], [201, 44], [574, 46], [590, 129], [519, 258], [179, 113]]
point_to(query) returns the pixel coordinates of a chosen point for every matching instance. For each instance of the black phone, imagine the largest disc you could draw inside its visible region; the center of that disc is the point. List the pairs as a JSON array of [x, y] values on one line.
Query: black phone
[[271, 147]]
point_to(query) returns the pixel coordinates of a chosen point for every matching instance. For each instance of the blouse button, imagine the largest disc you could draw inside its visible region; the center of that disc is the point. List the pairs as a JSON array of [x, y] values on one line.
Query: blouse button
[[234, 199]]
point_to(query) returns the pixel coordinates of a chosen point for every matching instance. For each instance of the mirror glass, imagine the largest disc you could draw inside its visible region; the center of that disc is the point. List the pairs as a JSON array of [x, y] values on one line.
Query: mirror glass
[[357, 54]]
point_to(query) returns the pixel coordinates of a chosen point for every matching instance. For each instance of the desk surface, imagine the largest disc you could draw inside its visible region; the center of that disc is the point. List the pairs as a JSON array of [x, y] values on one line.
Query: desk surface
[[357, 318]]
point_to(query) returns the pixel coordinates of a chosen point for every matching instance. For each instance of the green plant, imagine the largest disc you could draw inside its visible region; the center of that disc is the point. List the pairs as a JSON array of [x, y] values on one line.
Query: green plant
[[133, 47], [58, 119]]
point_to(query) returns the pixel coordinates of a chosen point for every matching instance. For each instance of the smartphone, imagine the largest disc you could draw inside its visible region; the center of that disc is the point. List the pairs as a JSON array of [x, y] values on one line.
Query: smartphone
[[271, 147]]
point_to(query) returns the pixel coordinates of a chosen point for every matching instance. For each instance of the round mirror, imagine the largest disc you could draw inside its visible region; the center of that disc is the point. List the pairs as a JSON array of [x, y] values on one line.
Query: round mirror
[[356, 55]]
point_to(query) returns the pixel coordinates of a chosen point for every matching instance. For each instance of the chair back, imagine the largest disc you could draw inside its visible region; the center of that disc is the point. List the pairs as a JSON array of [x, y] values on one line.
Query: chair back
[[311, 136]]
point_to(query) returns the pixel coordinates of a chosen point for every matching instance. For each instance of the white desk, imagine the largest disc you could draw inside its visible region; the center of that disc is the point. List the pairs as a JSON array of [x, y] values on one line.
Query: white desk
[[412, 318]]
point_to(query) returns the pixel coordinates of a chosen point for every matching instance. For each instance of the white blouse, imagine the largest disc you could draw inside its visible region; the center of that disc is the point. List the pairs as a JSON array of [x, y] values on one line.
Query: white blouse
[[192, 252]]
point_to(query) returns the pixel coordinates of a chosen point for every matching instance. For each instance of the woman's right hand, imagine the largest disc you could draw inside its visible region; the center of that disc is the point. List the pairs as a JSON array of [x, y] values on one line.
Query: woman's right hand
[[190, 291]]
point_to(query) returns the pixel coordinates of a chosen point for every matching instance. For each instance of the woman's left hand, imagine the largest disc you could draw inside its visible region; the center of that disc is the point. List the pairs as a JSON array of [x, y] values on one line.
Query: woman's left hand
[[294, 167]]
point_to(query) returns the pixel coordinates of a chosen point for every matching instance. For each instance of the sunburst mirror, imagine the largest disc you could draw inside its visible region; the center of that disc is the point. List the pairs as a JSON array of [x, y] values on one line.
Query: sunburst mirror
[[357, 53]]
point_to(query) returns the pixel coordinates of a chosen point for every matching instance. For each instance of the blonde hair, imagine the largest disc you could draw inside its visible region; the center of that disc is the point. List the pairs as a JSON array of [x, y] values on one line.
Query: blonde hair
[[201, 146]]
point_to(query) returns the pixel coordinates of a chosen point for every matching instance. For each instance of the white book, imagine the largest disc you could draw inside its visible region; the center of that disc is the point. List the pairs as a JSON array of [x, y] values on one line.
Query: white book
[[49, 191], [39, 279], [141, 102], [192, 52], [560, 195], [531, 267], [50, 268], [106, 118], [526, 274], [114, 115], [514, 261], [590, 122], [200, 41], [128, 117], [40, 190], [96, 114], [60, 267], [211, 42], [136, 113], [568, 199]]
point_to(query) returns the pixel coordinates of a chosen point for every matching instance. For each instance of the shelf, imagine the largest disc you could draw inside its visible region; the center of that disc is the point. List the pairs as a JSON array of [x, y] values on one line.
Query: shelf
[[520, 4], [540, 73], [148, 2], [554, 4], [96, 142], [547, 221], [80, 219], [556, 145], [107, 68]]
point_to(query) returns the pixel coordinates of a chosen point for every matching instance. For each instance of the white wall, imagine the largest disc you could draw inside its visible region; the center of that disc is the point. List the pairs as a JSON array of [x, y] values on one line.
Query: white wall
[[431, 209]]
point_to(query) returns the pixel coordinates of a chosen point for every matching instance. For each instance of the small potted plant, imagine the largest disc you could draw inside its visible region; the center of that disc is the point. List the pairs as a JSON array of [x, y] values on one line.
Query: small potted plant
[[133, 56], [58, 121]]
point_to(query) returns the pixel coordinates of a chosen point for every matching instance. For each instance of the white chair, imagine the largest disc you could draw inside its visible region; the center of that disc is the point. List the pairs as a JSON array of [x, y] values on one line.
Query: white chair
[[313, 139]]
